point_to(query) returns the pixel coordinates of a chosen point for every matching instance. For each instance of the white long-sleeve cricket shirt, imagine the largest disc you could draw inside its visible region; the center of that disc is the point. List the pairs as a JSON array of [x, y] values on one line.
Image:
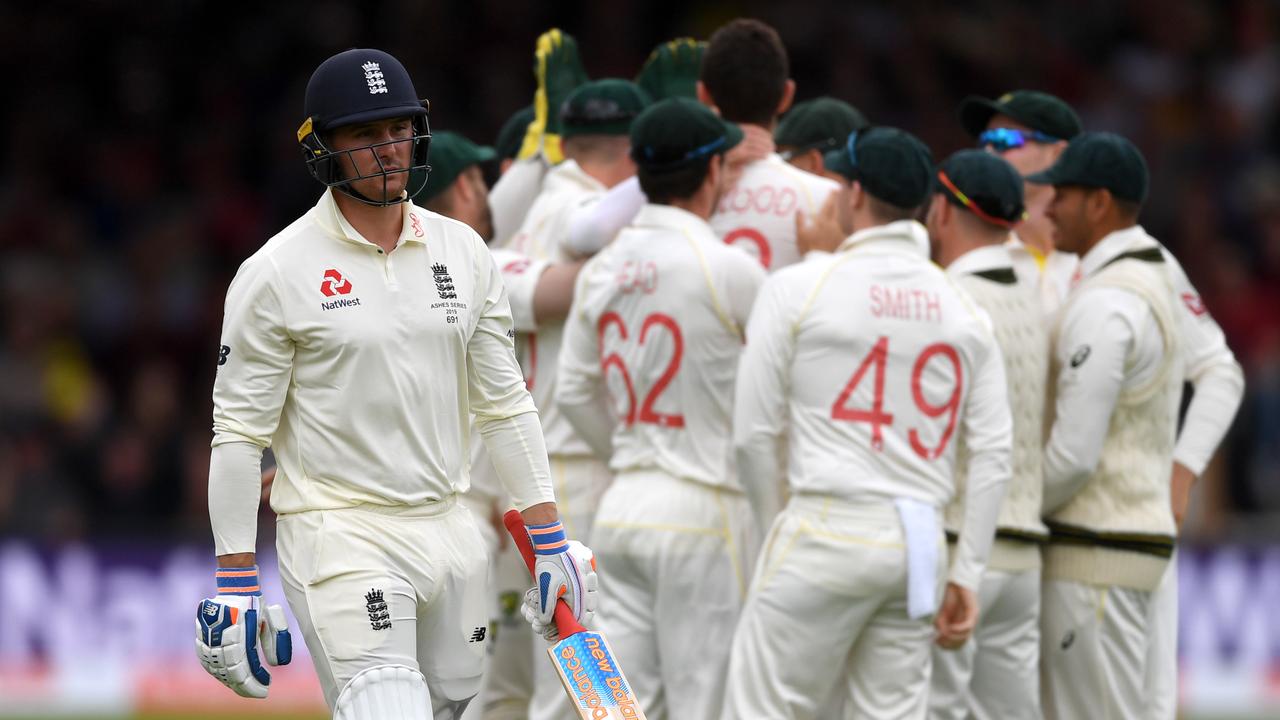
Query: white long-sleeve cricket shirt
[[871, 363]]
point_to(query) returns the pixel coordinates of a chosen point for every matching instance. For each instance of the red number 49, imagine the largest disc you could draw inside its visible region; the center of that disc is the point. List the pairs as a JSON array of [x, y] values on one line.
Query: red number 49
[[876, 360]]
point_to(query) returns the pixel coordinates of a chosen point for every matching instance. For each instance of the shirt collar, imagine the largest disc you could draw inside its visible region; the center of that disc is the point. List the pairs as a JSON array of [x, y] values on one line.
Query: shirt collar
[[894, 235], [987, 257], [332, 221], [1113, 245], [569, 174], [669, 217]]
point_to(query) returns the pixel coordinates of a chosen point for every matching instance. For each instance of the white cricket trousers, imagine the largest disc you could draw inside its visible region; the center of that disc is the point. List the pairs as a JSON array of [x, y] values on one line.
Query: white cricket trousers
[[1162, 648], [507, 683], [673, 557], [1093, 651], [830, 593], [996, 674], [579, 482], [375, 585]]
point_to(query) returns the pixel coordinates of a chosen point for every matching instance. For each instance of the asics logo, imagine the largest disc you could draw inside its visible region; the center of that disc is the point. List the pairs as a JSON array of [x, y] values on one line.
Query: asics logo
[[334, 284]]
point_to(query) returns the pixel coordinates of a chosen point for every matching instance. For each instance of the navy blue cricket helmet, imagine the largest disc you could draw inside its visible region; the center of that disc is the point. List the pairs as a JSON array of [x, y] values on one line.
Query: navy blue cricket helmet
[[359, 86]]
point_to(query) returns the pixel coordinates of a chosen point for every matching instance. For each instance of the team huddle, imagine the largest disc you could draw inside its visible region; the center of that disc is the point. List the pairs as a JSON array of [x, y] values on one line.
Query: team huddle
[[808, 423]]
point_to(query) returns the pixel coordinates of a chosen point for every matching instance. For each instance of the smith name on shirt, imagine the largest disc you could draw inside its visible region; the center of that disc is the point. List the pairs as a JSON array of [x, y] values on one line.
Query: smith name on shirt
[[901, 303]]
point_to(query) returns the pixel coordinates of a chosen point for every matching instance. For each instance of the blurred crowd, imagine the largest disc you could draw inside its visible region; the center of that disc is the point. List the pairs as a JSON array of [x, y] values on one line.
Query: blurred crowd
[[149, 148]]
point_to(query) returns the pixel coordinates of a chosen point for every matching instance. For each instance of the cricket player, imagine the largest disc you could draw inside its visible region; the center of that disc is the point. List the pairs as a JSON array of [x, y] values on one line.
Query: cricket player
[[744, 77], [814, 128], [977, 202], [595, 125], [1117, 374], [1029, 129], [871, 366], [357, 343], [558, 71], [538, 292], [656, 331]]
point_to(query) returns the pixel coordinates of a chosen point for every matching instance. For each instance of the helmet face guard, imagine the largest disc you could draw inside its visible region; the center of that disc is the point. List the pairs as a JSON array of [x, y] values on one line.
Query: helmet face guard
[[324, 164]]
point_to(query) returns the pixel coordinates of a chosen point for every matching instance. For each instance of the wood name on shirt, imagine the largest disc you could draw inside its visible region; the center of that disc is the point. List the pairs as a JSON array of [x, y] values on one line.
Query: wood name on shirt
[[899, 303]]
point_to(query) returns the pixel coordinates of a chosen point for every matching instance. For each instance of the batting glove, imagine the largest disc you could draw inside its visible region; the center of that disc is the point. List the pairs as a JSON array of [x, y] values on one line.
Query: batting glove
[[672, 69], [559, 72], [562, 569], [230, 628]]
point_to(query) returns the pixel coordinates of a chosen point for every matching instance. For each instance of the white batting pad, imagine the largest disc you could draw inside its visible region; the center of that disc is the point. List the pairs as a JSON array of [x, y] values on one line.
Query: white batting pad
[[385, 692]]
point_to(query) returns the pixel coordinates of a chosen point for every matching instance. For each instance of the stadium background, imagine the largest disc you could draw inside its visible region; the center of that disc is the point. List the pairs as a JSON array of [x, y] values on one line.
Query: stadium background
[[148, 148]]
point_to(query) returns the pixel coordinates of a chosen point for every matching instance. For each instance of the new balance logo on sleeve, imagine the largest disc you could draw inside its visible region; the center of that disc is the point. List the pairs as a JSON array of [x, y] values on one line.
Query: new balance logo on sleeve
[[478, 634]]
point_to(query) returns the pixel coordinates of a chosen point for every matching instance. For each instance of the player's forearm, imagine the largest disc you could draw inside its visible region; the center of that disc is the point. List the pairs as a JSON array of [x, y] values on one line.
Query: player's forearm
[[591, 420], [989, 474], [595, 226], [1218, 391], [519, 455], [553, 295], [512, 197], [760, 472], [235, 489]]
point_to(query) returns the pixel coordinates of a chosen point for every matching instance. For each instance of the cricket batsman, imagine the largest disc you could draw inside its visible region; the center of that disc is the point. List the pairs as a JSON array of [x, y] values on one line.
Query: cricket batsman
[[358, 343]]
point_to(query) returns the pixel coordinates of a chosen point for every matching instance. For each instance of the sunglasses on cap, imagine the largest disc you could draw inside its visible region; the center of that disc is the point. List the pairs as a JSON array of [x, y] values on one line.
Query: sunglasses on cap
[[1006, 139], [821, 146]]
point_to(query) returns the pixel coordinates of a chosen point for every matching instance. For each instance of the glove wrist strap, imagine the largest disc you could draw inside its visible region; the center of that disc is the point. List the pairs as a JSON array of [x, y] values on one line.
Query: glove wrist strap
[[238, 581], [549, 539]]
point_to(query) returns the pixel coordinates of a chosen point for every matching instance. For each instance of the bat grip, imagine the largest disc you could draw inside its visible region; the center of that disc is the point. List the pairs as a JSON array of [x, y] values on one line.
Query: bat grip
[[566, 623]]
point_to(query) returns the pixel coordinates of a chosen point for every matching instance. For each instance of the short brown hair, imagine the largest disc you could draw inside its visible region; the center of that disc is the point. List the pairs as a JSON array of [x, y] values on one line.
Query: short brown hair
[[745, 70]]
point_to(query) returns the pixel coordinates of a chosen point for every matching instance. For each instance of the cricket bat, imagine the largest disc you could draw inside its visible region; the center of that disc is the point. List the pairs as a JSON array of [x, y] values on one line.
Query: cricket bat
[[582, 658]]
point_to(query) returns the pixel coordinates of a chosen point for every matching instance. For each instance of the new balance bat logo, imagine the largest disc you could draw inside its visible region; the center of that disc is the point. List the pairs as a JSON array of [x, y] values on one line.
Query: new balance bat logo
[[583, 659]]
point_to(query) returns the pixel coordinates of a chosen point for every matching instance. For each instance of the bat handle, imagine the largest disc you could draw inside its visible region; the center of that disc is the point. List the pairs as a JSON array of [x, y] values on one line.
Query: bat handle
[[566, 623]]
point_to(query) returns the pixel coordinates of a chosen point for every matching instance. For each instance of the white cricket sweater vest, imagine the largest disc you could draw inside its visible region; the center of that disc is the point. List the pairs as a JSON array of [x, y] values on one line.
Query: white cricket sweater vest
[[1015, 310], [1119, 529]]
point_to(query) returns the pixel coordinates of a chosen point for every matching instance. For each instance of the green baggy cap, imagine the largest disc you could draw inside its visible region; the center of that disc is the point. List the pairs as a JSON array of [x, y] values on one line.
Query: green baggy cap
[[1037, 110], [678, 132], [449, 155], [602, 107], [1100, 160]]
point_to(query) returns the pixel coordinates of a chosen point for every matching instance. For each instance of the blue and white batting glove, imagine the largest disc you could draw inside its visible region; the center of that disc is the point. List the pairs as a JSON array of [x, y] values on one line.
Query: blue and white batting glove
[[562, 569], [230, 628]]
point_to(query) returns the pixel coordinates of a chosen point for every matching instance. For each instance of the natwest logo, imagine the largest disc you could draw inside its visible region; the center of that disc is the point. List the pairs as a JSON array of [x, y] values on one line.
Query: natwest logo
[[334, 284]]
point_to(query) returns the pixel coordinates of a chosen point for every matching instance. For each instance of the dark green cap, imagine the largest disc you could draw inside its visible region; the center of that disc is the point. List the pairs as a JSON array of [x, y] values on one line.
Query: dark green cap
[[893, 165], [602, 107], [511, 136], [1100, 160], [450, 154], [679, 132], [820, 124], [984, 184], [672, 69], [1037, 110]]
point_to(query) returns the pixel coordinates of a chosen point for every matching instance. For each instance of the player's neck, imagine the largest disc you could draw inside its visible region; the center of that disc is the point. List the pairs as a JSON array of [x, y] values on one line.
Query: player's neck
[[607, 174], [379, 225], [700, 204]]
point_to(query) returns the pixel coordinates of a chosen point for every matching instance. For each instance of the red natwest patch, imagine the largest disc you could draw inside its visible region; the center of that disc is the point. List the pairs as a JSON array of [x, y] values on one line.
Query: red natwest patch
[[334, 284], [1194, 304]]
